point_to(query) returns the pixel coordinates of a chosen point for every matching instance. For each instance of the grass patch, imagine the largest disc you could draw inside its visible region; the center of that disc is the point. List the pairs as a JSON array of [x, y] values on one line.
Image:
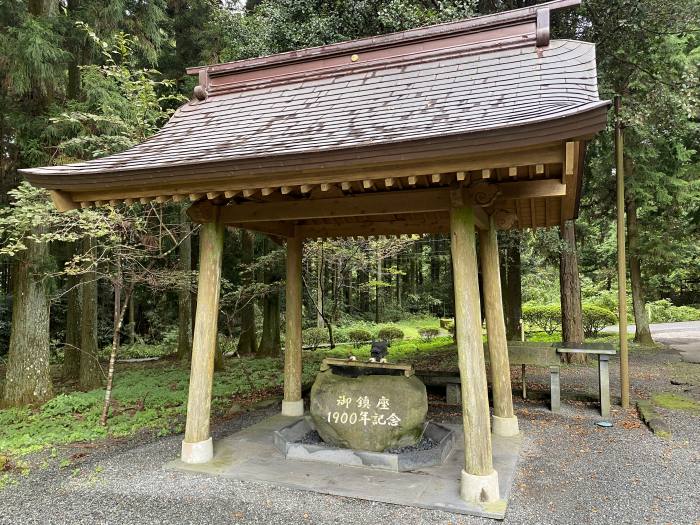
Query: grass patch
[[673, 401], [149, 397]]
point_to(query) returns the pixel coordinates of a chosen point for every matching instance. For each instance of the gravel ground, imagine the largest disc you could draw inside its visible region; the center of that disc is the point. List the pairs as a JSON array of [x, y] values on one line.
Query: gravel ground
[[570, 471]]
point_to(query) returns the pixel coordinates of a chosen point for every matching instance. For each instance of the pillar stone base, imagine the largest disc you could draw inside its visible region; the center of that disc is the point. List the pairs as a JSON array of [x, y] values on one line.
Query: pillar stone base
[[505, 426], [200, 452], [479, 489], [293, 408]]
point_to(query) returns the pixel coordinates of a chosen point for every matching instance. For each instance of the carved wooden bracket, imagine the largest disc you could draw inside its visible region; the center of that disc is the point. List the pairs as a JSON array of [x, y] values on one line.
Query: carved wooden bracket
[[505, 219]]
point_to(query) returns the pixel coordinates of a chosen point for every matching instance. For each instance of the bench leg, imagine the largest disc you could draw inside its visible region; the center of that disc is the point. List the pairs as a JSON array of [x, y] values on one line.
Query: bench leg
[[524, 383], [604, 385], [554, 389], [454, 394]]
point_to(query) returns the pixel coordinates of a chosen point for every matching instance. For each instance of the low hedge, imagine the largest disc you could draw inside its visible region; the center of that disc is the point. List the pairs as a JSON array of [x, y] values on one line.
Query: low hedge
[[548, 318]]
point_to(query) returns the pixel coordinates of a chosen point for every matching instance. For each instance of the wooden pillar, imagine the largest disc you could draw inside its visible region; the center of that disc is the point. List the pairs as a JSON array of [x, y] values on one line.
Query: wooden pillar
[[479, 479], [197, 446], [504, 422], [293, 404], [621, 259]]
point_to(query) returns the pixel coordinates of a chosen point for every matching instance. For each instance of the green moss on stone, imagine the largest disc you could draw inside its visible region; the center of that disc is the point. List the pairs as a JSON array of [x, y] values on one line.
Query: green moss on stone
[[673, 401]]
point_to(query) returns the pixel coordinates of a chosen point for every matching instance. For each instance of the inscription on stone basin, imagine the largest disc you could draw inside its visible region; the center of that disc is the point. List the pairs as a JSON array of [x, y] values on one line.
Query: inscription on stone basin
[[369, 412]]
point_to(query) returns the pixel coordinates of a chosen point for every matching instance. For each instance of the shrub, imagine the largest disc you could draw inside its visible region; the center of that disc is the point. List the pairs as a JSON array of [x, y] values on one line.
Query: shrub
[[357, 336], [595, 319], [340, 335], [664, 311], [390, 334], [428, 333], [314, 337], [545, 317]]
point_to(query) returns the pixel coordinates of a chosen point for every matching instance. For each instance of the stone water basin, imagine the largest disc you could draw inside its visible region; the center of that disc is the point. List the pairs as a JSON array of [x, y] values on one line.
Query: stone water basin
[[288, 442]]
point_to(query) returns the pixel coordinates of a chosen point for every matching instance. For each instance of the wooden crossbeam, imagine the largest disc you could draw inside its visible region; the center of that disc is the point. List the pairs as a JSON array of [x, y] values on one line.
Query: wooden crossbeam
[[359, 205], [364, 229]]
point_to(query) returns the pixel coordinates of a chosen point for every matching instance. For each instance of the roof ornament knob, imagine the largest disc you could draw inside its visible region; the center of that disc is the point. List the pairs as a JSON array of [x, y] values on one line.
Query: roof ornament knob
[[200, 93]]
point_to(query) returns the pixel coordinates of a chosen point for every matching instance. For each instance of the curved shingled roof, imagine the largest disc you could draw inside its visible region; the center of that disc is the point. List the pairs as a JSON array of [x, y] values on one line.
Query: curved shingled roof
[[446, 96], [449, 98]]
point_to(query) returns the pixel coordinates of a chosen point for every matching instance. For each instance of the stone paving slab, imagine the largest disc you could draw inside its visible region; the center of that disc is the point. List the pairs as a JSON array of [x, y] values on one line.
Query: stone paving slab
[[250, 455]]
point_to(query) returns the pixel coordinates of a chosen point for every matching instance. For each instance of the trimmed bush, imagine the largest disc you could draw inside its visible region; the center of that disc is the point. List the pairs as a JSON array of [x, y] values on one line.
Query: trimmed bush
[[596, 318], [340, 335], [664, 311], [314, 337], [357, 336], [428, 333], [390, 334], [545, 317]]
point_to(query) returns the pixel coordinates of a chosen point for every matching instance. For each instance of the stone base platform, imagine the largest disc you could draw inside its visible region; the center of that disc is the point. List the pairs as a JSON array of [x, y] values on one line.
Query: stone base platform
[[250, 455]]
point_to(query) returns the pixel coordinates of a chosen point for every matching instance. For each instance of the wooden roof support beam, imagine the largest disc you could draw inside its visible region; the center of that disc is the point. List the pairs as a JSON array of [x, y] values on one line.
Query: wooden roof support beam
[[461, 175], [178, 197], [247, 193], [513, 171], [266, 192], [346, 186], [389, 182], [327, 186], [539, 169], [359, 205], [63, 201], [306, 188], [486, 174], [436, 178], [286, 190], [364, 229], [211, 195], [194, 197], [368, 184]]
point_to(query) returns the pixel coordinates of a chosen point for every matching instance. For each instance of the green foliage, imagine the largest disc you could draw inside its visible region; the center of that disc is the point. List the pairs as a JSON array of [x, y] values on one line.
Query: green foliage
[[313, 337], [390, 333], [545, 317], [664, 311], [146, 397], [595, 319], [357, 336], [428, 333]]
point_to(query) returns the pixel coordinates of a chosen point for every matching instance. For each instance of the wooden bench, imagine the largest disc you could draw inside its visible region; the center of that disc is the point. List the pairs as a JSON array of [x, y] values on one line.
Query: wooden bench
[[535, 354]]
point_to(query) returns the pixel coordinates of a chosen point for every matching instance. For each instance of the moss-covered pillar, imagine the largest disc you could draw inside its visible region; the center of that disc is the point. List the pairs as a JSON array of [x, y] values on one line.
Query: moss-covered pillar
[[293, 404], [479, 479], [504, 422], [197, 446]]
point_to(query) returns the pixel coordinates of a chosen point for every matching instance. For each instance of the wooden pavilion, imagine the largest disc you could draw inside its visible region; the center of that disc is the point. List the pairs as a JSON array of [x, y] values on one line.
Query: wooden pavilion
[[474, 125]]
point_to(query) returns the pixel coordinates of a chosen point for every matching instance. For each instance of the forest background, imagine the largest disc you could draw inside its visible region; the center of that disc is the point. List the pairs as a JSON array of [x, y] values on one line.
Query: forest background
[[83, 78]]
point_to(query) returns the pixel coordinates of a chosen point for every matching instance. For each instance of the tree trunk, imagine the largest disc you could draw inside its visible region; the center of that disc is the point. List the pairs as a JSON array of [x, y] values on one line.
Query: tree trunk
[[378, 293], [247, 341], [319, 289], [642, 333], [270, 340], [132, 319], [511, 279], [570, 287], [28, 375], [184, 294], [90, 371], [71, 350]]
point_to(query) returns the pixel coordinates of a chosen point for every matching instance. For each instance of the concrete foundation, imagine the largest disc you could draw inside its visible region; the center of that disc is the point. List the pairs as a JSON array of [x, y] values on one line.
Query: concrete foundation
[[504, 426], [293, 408], [251, 455], [197, 453], [479, 489]]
